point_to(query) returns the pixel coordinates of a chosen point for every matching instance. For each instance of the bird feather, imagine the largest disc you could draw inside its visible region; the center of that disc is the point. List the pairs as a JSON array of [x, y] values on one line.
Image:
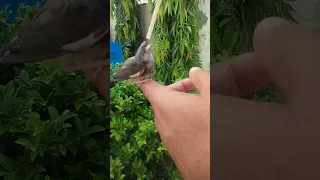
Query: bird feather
[[60, 28]]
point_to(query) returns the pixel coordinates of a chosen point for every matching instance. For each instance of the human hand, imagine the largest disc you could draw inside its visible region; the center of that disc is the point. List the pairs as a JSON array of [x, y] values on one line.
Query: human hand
[[252, 140], [183, 121], [99, 77]]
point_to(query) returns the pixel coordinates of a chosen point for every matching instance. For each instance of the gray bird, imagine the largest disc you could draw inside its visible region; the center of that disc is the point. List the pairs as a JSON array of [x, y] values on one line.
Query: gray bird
[[64, 30], [137, 69]]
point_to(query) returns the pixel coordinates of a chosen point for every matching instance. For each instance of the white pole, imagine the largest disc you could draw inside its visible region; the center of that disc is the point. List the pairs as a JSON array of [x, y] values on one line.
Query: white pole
[[153, 19]]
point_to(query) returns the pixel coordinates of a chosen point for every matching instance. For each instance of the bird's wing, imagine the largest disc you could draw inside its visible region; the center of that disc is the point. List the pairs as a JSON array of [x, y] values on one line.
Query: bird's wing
[[62, 25], [130, 69], [137, 74]]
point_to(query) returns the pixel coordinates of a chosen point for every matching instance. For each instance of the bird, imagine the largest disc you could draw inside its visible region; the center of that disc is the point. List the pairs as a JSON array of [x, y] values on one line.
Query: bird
[[137, 69], [73, 32]]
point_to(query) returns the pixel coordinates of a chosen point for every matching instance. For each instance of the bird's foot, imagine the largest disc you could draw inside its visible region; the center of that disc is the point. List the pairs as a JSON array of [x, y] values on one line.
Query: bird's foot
[[139, 83]]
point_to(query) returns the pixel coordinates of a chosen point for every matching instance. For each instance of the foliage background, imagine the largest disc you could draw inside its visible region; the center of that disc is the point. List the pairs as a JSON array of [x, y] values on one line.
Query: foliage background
[[232, 26], [175, 42], [52, 123], [133, 136], [135, 147], [175, 38]]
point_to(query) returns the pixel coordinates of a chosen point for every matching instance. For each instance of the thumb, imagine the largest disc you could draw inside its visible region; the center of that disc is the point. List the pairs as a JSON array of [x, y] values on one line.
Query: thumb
[[200, 79], [290, 54]]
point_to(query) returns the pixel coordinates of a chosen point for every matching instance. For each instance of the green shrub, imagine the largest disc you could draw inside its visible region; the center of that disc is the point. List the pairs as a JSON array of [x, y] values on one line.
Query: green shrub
[[52, 123], [8, 26], [175, 37], [135, 146]]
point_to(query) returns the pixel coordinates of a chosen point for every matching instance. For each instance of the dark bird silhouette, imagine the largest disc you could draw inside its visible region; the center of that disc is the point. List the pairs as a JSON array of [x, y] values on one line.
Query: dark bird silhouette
[[138, 68], [76, 31]]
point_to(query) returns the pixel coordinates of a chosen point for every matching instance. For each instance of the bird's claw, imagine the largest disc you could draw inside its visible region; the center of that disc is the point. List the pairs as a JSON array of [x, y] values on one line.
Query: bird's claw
[[139, 83]]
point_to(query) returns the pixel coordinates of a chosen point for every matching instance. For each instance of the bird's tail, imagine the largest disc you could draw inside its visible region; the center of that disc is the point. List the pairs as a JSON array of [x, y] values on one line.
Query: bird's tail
[[113, 78]]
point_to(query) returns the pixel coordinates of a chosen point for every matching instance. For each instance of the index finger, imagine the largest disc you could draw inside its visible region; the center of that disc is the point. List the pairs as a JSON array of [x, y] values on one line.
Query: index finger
[[184, 85], [155, 92]]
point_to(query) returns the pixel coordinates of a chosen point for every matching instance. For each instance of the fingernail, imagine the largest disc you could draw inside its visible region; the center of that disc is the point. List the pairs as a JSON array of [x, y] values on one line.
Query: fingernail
[[194, 68]]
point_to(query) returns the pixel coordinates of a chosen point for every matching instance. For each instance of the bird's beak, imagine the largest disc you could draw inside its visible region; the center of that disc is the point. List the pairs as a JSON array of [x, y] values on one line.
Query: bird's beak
[[148, 47]]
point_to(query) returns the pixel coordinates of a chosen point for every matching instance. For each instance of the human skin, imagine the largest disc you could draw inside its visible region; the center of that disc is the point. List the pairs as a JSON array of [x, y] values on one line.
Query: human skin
[[99, 77], [252, 140], [183, 121]]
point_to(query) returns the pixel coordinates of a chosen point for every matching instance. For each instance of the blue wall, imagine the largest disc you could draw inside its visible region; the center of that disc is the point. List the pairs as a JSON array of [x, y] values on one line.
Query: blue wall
[[116, 55]]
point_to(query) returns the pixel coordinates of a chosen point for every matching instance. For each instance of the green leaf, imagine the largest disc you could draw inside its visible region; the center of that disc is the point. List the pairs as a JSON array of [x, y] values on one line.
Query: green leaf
[[97, 177], [47, 178], [53, 112], [68, 115], [4, 128], [16, 70], [89, 95], [39, 168], [33, 122], [32, 115], [63, 149], [161, 148], [33, 155], [37, 177], [99, 103], [43, 79], [215, 36], [37, 131], [35, 94], [224, 22], [233, 42], [8, 98], [66, 125], [79, 103], [6, 162], [16, 121], [25, 75], [95, 128], [2, 173], [26, 143], [10, 176], [79, 124]]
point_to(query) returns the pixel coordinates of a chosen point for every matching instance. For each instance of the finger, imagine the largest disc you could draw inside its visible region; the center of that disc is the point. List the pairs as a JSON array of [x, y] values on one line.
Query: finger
[[200, 79], [156, 93], [239, 75], [182, 86], [103, 83], [290, 54], [97, 72], [99, 78]]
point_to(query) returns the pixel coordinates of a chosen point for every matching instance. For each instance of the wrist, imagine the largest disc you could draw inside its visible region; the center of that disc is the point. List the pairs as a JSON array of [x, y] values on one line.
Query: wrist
[[193, 163]]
